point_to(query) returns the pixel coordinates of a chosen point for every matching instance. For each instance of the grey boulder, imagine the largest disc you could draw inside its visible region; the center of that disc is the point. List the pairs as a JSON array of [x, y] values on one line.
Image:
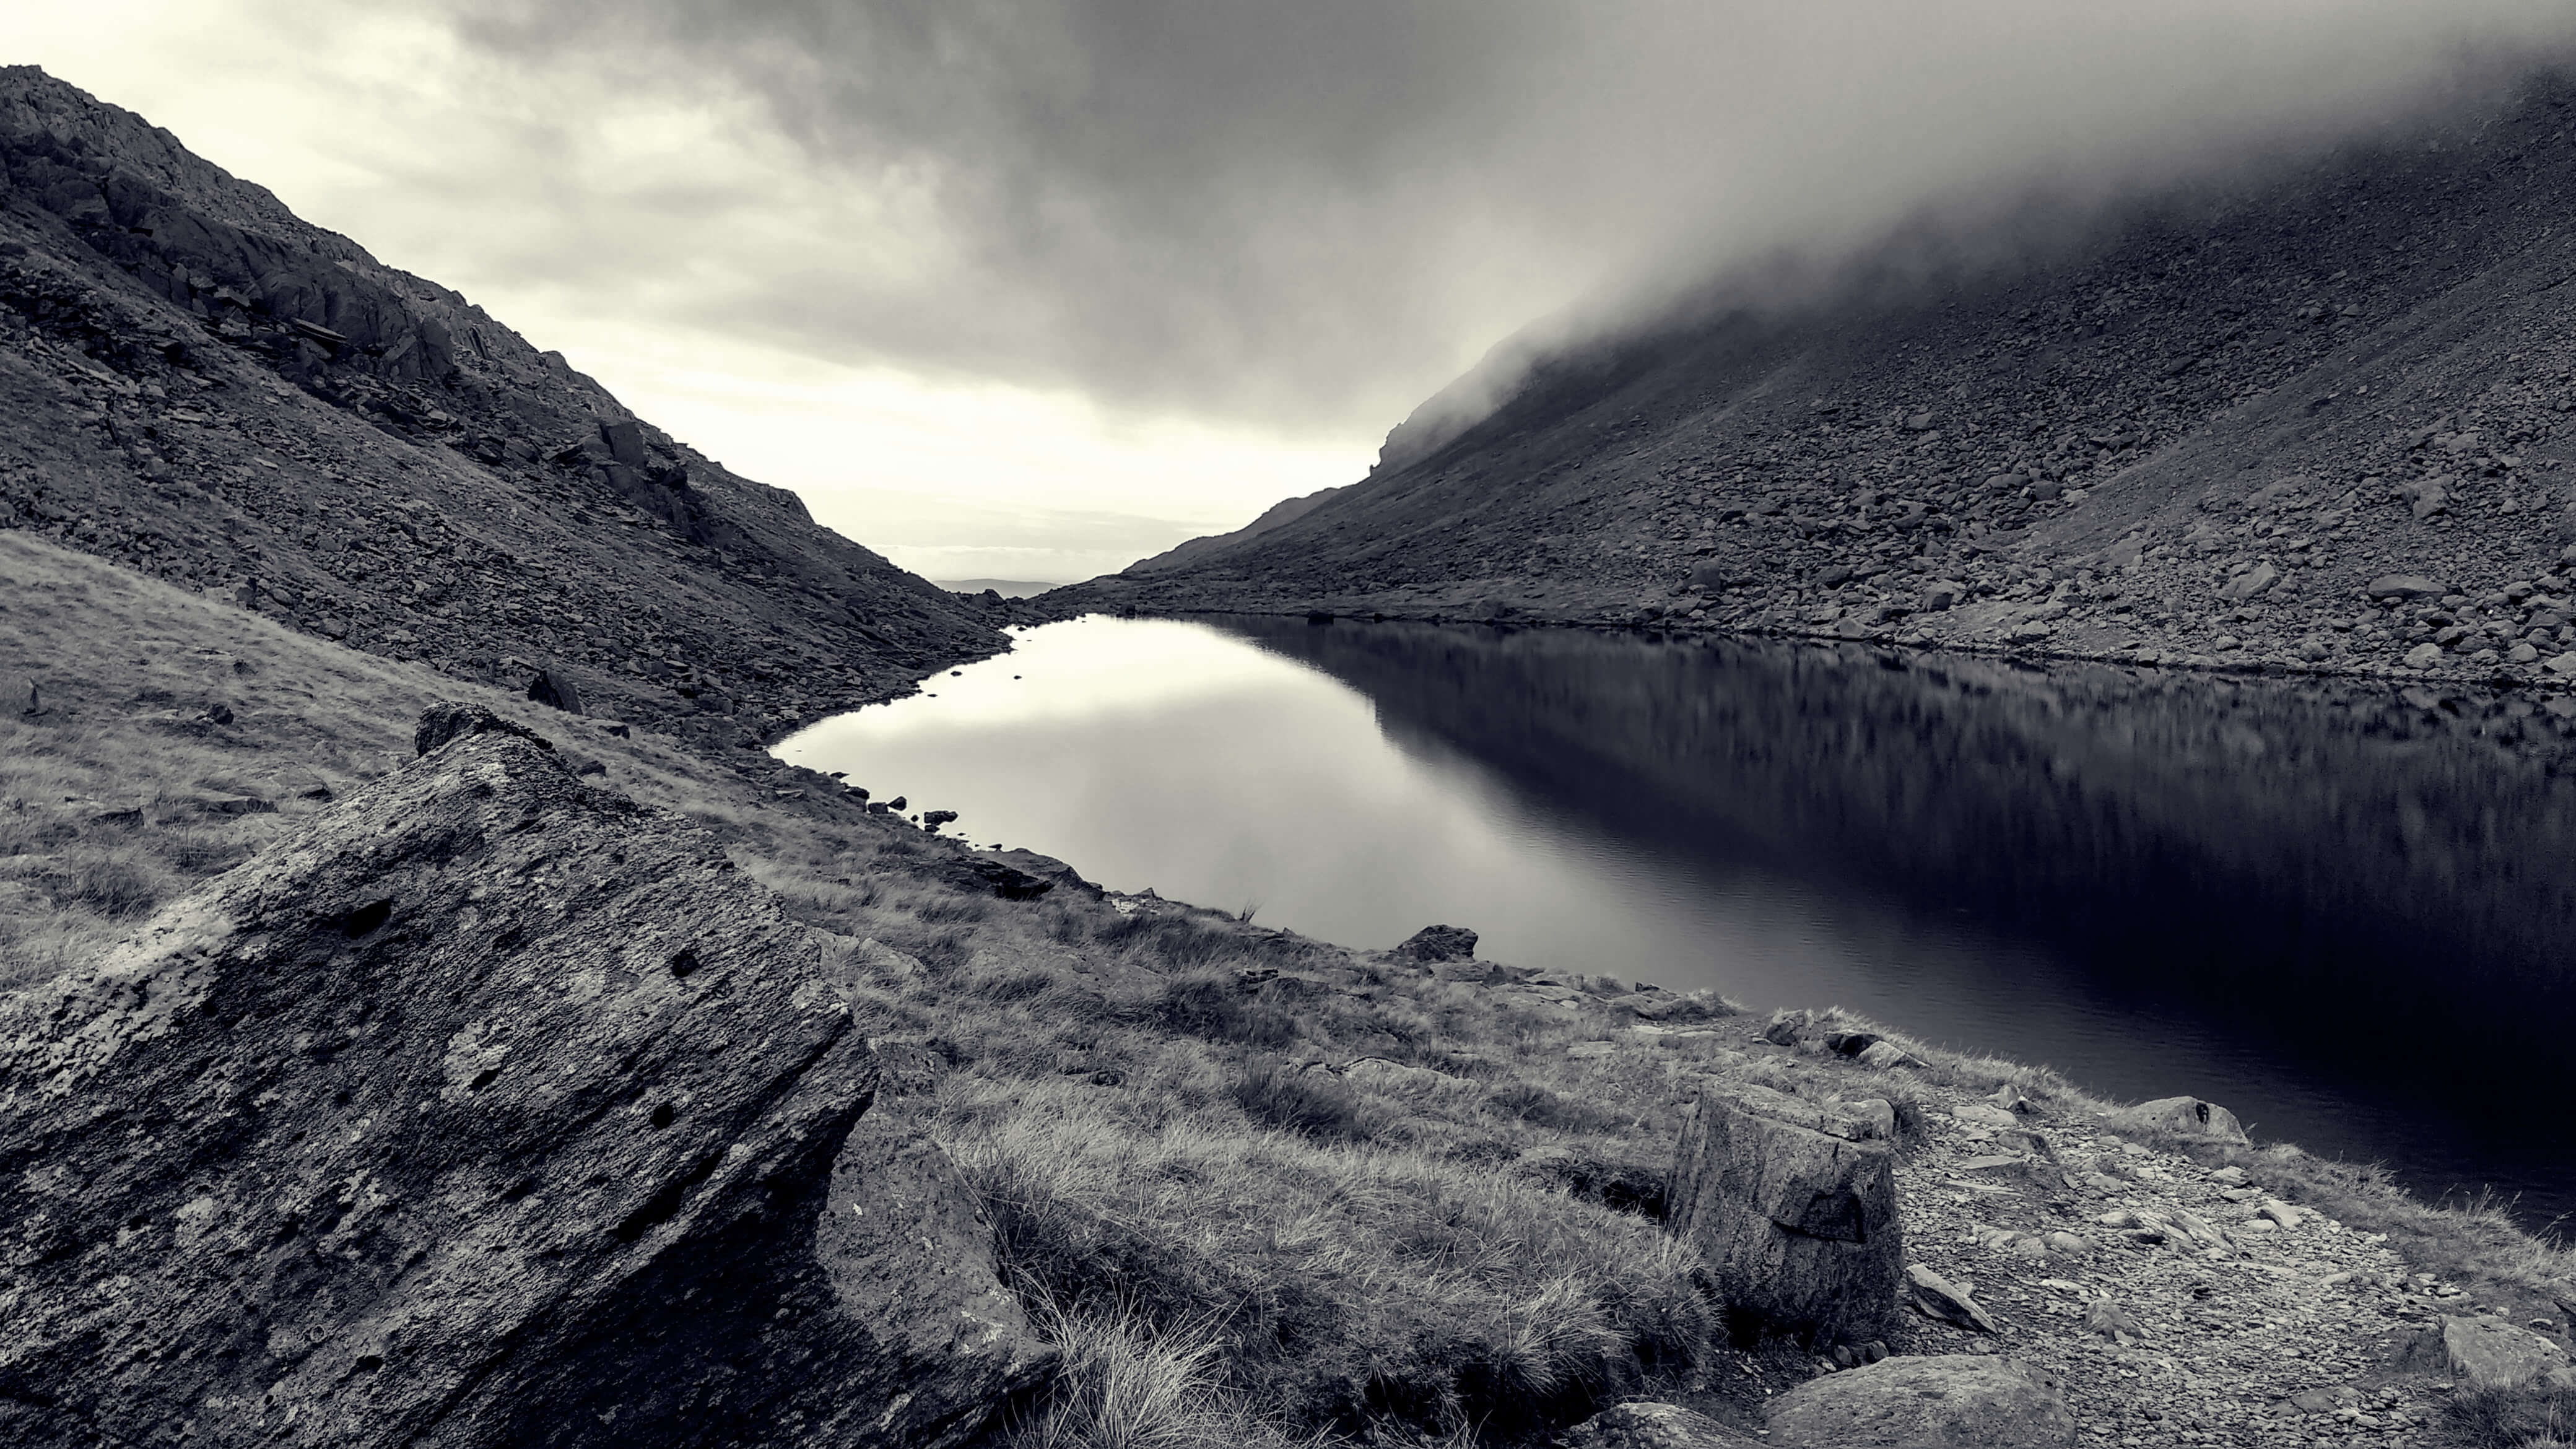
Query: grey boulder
[[486, 1108], [1794, 1207], [1952, 1401]]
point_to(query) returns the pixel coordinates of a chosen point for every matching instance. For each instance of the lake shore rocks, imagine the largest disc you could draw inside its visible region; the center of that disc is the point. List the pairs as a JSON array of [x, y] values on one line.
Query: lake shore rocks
[[487, 1108]]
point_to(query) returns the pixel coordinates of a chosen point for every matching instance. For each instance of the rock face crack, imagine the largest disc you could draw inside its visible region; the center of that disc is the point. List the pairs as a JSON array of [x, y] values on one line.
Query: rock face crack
[[390, 1178]]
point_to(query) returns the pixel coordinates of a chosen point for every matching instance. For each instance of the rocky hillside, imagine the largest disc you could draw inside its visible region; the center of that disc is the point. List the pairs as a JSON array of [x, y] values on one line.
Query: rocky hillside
[[2315, 419], [198, 385]]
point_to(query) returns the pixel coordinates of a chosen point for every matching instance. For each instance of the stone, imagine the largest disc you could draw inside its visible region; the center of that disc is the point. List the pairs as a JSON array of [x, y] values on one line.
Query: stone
[[21, 696], [1850, 1043], [1043, 867], [1883, 1055], [1937, 1297], [1794, 1210], [2563, 665], [2423, 656], [2250, 583], [452, 1159], [1438, 943], [1652, 1426], [444, 723], [625, 439], [2401, 586], [2066, 1245], [2490, 1353], [1946, 1401], [556, 690], [1784, 1027], [993, 875], [2188, 1116], [2112, 1321], [1941, 594]]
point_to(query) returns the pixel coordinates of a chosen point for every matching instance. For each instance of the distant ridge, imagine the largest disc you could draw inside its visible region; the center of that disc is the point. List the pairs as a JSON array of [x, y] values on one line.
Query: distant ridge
[[1199, 550], [1007, 588]]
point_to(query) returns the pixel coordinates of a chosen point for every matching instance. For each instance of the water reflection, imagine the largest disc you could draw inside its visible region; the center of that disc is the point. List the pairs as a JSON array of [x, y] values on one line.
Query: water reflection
[[2342, 910]]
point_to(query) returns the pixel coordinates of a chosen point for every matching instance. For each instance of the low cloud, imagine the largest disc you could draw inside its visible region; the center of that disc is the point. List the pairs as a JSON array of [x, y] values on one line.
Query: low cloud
[[1307, 216]]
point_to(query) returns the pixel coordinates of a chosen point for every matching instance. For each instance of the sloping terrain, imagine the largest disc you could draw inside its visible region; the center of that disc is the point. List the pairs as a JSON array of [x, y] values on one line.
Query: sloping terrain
[[1254, 1186], [2203, 435], [196, 384]]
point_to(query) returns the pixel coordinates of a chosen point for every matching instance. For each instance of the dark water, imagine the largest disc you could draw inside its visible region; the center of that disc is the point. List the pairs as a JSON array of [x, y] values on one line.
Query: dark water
[[2345, 911]]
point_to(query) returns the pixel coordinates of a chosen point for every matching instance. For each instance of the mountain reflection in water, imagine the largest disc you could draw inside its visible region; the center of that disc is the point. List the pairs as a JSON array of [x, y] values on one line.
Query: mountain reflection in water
[[2343, 910]]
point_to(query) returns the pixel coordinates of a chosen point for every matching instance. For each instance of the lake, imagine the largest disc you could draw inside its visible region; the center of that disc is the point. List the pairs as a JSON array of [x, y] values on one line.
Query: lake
[[2344, 910]]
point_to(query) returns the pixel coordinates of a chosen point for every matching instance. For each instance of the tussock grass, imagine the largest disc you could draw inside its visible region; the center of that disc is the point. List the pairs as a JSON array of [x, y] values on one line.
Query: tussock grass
[[1124, 1384]]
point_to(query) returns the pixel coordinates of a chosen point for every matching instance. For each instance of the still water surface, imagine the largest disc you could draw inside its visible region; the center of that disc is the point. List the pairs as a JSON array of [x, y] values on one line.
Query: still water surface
[[2344, 911]]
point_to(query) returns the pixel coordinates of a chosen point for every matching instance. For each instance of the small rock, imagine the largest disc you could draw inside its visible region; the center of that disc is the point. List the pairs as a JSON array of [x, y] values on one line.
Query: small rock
[[1936, 1297], [555, 689], [2423, 656], [1850, 1043], [2066, 1245], [1438, 943], [2250, 583], [1784, 1028], [1652, 1426], [1882, 1055], [2401, 586], [1948, 1401], [1591, 1051], [2112, 1321]]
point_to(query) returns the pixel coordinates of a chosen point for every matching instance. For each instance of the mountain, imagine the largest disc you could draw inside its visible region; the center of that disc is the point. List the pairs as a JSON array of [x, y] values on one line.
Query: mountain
[[2310, 417], [1285, 511], [196, 384]]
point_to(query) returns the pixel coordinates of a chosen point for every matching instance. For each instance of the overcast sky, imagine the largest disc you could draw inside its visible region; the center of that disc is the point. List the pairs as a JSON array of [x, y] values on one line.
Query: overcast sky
[[1031, 288]]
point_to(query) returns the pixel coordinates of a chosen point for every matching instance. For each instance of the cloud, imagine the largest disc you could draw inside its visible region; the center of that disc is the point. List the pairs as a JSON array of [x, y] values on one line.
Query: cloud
[[1308, 214]]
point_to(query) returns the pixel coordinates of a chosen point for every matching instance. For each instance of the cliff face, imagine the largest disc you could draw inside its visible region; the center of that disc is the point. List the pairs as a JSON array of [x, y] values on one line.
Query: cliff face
[[197, 384], [2205, 434]]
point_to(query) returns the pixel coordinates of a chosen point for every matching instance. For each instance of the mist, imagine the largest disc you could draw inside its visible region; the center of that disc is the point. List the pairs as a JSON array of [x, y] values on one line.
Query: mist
[[1309, 217]]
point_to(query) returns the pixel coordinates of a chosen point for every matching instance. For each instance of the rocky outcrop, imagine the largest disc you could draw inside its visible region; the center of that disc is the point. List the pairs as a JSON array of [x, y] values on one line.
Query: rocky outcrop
[[1949, 1401], [1794, 1207], [486, 1109]]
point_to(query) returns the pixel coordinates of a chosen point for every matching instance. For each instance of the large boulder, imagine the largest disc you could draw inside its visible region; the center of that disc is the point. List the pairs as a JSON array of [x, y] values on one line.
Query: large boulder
[[485, 1109], [2185, 1116], [1951, 1401], [1793, 1204]]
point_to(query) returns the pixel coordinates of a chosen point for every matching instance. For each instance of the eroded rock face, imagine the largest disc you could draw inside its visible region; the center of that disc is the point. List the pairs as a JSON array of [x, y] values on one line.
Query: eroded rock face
[[488, 1109], [1951, 1401], [1794, 1206]]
